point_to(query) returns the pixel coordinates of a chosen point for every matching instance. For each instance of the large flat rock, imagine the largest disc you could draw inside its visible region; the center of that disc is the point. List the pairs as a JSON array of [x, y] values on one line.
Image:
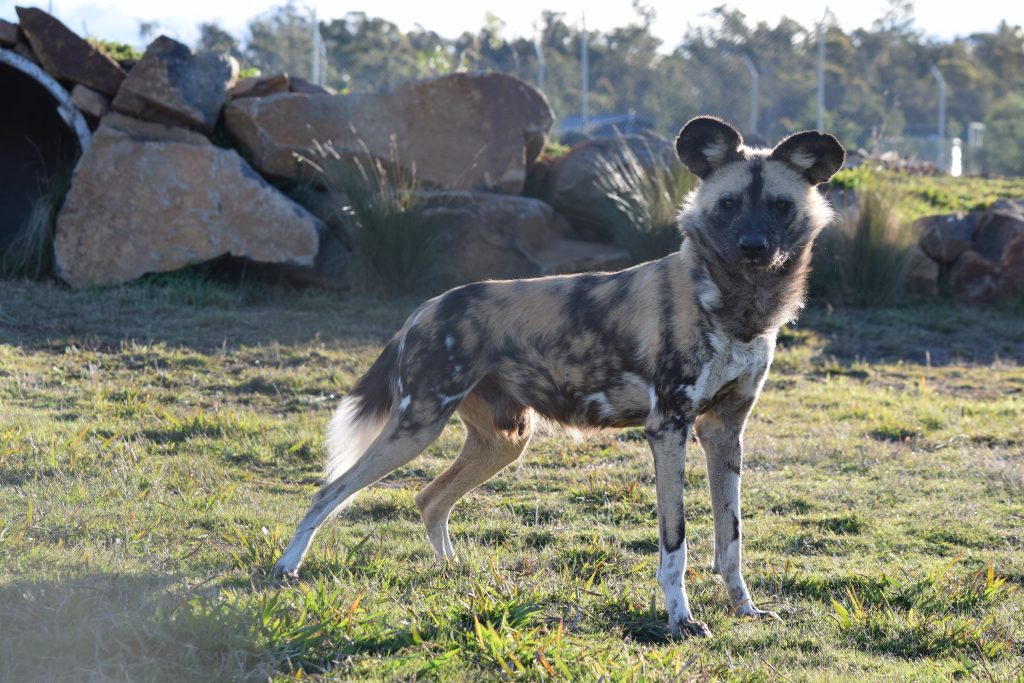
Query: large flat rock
[[172, 85], [66, 56], [459, 132], [142, 205]]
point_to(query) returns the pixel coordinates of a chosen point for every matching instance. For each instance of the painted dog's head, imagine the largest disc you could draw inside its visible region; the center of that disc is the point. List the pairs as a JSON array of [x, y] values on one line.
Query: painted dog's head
[[755, 209]]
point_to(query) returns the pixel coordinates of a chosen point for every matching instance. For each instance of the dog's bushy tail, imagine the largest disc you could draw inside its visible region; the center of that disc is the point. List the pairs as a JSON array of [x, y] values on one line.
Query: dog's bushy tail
[[360, 417]]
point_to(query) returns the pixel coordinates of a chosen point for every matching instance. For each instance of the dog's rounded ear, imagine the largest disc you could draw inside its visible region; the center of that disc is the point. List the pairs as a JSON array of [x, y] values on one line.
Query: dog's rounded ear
[[815, 155], [706, 143]]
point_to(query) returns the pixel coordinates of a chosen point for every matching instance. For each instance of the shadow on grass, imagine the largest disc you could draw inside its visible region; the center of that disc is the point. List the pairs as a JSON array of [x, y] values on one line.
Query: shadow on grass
[[110, 627], [939, 334]]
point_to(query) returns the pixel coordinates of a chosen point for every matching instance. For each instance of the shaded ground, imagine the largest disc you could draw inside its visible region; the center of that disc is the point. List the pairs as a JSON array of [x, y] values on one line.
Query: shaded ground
[[158, 441]]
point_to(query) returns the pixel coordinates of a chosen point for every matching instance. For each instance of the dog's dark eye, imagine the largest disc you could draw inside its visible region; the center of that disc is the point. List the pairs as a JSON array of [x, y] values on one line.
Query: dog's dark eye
[[727, 203], [782, 205]]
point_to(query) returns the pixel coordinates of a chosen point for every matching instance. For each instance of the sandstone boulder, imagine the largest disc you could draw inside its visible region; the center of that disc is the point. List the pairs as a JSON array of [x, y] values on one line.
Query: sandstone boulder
[[140, 206], [91, 103], [945, 237], [8, 34], [582, 185], [975, 279], [922, 274], [66, 56], [999, 224], [172, 85], [460, 131], [1012, 265], [260, 86], [492, 236]]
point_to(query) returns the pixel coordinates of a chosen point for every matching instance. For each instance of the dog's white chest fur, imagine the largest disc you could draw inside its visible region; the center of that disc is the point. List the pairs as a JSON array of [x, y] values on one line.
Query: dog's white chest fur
[[733, 360]]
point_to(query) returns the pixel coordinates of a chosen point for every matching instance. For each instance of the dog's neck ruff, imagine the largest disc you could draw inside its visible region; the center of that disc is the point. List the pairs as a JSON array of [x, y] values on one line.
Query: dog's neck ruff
[[747, 304]]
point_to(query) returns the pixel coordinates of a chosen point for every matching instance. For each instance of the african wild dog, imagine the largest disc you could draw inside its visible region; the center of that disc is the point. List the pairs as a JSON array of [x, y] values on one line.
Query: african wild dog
[[676, 344]]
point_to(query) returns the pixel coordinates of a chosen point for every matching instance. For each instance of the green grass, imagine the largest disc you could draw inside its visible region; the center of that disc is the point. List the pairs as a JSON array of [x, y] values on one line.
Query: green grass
[[158, 442]]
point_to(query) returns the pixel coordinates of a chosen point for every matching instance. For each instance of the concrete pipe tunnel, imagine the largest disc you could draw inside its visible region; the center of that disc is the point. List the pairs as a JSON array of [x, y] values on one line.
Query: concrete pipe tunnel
[[42, 135]]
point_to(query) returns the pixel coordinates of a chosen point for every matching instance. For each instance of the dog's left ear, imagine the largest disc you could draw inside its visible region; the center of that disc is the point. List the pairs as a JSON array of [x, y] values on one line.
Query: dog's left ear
[[815, 155]]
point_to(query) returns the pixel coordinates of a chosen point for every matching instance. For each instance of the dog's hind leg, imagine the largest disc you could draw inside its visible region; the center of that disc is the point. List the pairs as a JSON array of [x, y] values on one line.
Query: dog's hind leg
[[399, 441], [493, 441]]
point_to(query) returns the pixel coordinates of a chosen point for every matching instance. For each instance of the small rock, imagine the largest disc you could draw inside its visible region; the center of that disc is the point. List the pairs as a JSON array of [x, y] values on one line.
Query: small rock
[[259, 86], [8, 34], [999, 224], [1012, 265], [66, 56], [148, 131], [90, 102], [296, 84], [171, 85], [975, 279], [922, 274], [944, 238], [141, 206]]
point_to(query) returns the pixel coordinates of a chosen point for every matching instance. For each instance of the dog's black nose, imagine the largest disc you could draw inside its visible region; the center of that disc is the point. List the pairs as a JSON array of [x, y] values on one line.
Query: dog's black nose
[[753, 246]]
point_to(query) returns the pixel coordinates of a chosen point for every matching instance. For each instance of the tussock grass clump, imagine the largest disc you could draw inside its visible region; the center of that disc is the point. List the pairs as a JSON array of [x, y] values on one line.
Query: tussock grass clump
[[381, 202], [29, 254], [861, 259], [645, 188]]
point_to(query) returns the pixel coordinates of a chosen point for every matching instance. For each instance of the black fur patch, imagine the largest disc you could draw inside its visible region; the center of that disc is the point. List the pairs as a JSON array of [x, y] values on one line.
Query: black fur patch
[[375, 389]]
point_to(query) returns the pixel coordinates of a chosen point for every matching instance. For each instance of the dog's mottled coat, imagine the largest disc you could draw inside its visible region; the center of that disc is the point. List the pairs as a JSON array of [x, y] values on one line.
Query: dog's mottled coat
[[678, 345]]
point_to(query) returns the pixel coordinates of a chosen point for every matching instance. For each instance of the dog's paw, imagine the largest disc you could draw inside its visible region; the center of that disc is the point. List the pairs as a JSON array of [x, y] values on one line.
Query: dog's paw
[[284, 572], [689, 628]]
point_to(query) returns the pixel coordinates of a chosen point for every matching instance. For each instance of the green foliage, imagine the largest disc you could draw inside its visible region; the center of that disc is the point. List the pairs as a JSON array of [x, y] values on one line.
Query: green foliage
[[390, 230], [861, 258], [643, 190], [1004, 136], [119, 52]]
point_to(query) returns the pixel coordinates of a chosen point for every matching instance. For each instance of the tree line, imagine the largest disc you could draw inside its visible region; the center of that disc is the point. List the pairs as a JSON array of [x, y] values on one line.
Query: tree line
[[879, 89]]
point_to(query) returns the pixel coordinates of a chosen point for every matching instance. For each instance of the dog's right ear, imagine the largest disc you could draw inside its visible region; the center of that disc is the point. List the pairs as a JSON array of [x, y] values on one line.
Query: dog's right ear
[[706, 143]]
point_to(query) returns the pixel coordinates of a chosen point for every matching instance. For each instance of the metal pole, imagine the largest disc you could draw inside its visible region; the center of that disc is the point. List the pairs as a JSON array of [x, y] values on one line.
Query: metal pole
[[314, 62], [821, 73], [584, 77], [539, 47], [753, 92], [940, 134]]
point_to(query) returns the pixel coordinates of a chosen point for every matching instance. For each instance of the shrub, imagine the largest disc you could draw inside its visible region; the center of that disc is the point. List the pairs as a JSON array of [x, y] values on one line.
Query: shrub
[[861, 258], [388, 227], [645, 189]]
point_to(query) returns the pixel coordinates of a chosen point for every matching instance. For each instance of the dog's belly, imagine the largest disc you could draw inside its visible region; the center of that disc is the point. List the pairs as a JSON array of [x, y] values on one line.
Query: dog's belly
[[623, 401]]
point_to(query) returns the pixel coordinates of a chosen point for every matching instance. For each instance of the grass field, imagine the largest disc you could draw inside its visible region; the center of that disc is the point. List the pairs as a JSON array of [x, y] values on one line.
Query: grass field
[[158, 442]]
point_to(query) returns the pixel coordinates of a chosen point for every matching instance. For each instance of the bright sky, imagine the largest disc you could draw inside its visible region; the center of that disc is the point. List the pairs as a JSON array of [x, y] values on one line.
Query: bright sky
[[119, 19]]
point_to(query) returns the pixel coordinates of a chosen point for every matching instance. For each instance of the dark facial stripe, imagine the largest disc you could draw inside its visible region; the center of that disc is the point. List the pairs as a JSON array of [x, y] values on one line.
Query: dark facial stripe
[[756, 181]]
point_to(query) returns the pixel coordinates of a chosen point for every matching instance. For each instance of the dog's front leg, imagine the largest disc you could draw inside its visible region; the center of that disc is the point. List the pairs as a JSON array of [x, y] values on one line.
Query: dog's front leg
[[720, 432], [667, 435]]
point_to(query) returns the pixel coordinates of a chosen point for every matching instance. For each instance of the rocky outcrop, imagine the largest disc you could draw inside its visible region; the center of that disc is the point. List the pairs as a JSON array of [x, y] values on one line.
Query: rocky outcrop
[[492, 236], [944, 238], [999, 224], [66, 56], [171, 85], [975, 279], [143, 203], [979, 256], [459, 132]]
